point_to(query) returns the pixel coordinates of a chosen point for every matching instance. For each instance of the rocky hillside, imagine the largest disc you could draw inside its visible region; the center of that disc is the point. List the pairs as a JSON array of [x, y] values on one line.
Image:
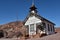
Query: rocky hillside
[[13, 29]]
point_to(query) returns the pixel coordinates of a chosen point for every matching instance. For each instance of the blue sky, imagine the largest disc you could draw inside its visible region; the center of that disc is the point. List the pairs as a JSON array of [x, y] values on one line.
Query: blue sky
[[49, 9]]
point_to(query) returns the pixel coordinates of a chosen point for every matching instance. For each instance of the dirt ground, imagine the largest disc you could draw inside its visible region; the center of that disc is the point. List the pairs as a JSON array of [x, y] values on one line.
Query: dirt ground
[[49, 37]]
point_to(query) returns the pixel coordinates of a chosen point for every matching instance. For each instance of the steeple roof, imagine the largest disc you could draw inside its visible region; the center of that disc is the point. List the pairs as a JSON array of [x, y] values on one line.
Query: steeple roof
[[33, 7]]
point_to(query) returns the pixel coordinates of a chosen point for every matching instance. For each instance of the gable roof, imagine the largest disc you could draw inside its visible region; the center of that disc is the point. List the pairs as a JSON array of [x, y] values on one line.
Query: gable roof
[[38, 16]]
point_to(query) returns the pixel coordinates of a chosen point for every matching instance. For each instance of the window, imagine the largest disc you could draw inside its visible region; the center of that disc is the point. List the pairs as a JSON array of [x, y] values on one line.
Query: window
[[48, 28], [31, 27], [44, 25], [51, 27]]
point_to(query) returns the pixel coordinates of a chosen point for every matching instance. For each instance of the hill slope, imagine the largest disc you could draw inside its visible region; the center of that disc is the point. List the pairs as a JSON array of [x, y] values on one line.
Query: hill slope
[[12, 29]]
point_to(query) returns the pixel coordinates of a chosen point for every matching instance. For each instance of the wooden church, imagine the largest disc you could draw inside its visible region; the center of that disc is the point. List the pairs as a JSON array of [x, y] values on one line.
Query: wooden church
[[37, 24]]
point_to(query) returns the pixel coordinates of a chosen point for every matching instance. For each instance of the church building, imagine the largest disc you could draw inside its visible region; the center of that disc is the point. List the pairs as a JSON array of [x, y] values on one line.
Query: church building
[[37, 24]]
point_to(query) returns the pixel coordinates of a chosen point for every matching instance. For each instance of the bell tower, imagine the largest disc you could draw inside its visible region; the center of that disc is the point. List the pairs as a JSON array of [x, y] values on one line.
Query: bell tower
[[33, 9]]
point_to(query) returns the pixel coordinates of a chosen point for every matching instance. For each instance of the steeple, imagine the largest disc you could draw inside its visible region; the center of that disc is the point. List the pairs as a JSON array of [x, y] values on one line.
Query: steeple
[[33, 8]]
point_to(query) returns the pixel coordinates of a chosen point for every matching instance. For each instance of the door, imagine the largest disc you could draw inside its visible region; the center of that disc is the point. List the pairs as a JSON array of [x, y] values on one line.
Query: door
[[32, 30]]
